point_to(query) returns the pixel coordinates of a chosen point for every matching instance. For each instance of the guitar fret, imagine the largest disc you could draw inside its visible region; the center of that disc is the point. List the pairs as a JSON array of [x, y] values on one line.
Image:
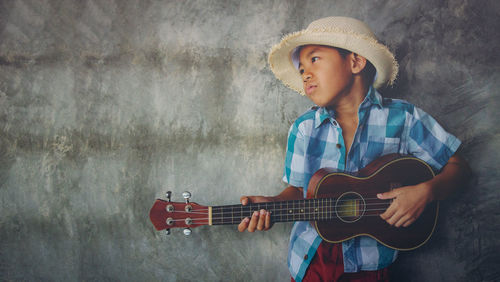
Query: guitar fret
[[215, 215], [307, 210], [322, 213], [313, 209], [272, 212], [304, 210], [328, 210], [318, 214], [332, 209], [316, 208], [320, 208], [325, 208], [295, 210], [287, 218], [297, 207], [300, 210]]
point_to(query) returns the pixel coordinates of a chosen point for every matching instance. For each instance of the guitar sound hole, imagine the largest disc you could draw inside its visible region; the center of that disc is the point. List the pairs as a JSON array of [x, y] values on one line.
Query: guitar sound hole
[[350, 207]]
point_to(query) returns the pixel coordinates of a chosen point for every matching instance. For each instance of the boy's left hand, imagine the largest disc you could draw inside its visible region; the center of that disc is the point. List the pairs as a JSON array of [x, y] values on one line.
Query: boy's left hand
[[407, 205]]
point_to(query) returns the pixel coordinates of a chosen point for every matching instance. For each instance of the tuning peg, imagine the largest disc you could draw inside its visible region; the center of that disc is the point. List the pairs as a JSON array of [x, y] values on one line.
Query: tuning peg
[[168, 195], [167, 231], [186, 195], [187, 231]]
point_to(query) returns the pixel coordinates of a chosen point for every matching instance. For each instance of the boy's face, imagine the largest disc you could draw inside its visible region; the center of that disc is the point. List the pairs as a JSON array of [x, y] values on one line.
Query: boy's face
[[326, 75]]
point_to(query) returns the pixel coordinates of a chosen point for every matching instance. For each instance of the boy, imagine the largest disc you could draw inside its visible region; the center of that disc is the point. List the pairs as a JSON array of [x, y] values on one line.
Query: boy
[[338, 63]]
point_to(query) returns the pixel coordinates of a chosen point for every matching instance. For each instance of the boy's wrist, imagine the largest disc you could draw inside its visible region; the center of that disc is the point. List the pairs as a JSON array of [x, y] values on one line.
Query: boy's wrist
[[430, 187]]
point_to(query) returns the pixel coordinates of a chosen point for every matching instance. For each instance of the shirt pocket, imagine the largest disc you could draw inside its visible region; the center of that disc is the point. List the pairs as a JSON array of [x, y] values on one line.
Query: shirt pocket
[[380, 146]]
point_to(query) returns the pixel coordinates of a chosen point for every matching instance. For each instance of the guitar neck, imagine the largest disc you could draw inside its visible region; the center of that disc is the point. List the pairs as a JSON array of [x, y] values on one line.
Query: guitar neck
[[284, 211]]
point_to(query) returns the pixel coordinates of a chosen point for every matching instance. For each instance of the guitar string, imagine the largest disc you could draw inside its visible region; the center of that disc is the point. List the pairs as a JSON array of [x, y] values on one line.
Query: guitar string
[[304, 202], [309, 213], [219, 216], [318, 210], [226, 220], [308, 201], [222, 218], [221, 208]]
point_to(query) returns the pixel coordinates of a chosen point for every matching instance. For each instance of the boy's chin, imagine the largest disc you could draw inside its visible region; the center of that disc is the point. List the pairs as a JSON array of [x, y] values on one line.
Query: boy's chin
[[322, 104]]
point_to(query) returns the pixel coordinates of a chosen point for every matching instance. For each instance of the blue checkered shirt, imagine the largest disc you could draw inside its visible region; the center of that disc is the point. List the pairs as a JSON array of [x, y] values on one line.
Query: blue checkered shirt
[[385, 126]]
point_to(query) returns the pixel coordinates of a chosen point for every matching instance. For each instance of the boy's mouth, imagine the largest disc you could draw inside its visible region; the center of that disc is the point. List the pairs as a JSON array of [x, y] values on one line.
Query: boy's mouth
[[310, 89]]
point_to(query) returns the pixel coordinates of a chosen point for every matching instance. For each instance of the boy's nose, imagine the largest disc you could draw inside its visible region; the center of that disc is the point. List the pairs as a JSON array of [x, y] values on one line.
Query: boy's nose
[[306, 76]]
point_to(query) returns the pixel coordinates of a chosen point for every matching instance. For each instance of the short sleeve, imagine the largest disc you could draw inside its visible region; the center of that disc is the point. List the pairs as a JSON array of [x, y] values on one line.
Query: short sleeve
[[429, 142], [293, 173]]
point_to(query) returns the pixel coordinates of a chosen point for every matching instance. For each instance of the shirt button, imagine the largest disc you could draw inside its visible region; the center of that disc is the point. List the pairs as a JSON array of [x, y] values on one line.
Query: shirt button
[[339, 146], [306, 257], [334, 123]]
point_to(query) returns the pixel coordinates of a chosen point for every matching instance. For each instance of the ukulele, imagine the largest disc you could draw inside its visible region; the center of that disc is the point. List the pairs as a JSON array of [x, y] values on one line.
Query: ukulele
[[340, 206]]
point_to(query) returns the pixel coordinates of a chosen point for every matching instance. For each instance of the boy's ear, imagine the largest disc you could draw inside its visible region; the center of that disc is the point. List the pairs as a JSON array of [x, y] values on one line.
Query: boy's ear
[[358, 63]]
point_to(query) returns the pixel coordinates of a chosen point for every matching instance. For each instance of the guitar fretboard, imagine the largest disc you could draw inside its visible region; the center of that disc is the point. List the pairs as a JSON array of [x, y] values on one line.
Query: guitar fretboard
[[296, 210]]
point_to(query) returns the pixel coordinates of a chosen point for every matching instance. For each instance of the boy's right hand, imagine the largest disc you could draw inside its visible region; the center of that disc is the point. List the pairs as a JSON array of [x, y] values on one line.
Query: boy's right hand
[[260, 220]]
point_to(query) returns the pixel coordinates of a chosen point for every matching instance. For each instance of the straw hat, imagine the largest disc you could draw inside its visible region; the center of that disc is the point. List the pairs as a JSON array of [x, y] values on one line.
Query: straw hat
[[342, 32]]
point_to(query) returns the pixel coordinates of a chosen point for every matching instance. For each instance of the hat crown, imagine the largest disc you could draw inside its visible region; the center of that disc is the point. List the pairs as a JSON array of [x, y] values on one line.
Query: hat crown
[[342, 23]]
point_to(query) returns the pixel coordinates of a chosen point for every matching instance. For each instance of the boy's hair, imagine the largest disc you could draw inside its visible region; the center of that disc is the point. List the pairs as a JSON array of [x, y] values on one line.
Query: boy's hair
[[368, 72]]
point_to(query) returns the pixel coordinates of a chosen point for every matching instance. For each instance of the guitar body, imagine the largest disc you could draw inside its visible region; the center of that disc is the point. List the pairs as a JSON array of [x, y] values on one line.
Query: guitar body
[[357, 208]]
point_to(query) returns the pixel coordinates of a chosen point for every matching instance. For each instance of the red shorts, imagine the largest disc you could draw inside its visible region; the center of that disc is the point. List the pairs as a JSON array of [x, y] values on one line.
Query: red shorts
[[328, 265]]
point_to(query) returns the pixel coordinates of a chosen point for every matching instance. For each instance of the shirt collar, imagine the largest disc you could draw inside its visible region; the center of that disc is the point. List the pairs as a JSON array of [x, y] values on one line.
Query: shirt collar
[[371, 98]]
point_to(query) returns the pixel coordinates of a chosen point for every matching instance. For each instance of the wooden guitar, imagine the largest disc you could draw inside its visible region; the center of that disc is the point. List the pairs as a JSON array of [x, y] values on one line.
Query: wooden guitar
[[340, 206]]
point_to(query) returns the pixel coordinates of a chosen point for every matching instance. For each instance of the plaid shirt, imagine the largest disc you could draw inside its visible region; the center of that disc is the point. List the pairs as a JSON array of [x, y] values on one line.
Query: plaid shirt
[[385, 126]]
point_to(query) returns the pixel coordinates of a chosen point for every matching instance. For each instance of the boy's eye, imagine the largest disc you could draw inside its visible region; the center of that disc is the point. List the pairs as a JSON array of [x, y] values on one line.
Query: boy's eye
[[301, 71], [314, 59]]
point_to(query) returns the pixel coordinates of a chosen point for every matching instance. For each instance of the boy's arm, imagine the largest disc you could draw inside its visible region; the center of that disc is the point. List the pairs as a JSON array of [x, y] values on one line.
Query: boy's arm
[[262, 220], [410, 201]]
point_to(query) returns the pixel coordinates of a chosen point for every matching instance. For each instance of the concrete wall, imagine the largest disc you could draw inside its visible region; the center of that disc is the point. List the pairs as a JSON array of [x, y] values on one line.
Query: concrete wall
[[105, 105]]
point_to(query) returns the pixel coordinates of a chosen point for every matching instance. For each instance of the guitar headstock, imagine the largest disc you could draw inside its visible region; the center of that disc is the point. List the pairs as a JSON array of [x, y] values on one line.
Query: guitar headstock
[[166, 214]]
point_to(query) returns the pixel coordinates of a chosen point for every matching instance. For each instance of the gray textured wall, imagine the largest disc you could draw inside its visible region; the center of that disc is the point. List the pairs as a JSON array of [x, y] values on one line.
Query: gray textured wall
[[104, 105]]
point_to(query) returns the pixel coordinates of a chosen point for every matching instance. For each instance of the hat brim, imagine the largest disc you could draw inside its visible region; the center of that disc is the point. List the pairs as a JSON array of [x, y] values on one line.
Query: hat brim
[[280, 57]]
